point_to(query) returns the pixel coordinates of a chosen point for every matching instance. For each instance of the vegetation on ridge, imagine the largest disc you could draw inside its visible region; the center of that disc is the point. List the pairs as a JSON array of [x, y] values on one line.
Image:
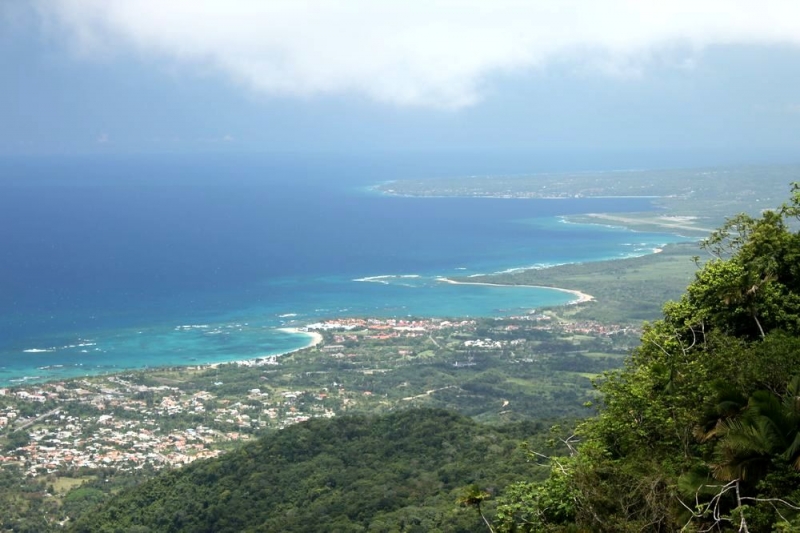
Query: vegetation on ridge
[[701, 429]]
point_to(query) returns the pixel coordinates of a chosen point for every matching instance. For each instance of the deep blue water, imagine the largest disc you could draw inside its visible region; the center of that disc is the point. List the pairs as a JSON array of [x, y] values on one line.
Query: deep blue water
[[103, 258]]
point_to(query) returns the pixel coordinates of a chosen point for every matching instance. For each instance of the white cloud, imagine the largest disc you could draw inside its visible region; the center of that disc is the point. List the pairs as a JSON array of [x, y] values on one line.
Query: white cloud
[[415, 52]]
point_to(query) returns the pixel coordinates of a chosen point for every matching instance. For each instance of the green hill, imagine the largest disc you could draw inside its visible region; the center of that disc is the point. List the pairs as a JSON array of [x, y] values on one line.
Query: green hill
[[400, 472]]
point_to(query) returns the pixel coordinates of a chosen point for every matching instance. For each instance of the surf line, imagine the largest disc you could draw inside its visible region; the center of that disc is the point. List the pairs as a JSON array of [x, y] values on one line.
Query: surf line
[[580, 297]]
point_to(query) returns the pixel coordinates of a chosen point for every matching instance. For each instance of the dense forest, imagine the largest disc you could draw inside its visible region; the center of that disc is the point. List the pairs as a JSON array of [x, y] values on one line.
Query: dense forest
[[400, 472], [699, 431]]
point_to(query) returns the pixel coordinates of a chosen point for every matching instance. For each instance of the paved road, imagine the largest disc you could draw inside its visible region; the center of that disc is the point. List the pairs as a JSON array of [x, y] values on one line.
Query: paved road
[[28, 423]]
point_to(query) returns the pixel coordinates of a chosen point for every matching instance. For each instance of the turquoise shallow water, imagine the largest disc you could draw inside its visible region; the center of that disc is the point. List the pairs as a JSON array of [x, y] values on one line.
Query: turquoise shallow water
[[111, 264]]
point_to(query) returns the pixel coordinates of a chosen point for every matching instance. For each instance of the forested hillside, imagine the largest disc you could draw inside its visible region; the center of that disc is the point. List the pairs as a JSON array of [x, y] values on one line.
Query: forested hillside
[[400, 472], [701, 430]]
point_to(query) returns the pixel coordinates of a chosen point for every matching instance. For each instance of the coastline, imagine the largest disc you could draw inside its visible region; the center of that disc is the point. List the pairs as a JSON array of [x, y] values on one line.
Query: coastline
[[314, 339], [513, 196], [669, 225], [580, 297]]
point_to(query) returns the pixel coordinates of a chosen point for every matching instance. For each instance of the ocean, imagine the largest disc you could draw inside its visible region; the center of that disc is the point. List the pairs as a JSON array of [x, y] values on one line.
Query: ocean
[[112, 262]]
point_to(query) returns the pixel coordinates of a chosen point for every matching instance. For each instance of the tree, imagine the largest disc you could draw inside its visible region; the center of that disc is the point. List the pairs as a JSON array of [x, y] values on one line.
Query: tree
[[767, 427], [474, 496], [706, 407], [16, 439]]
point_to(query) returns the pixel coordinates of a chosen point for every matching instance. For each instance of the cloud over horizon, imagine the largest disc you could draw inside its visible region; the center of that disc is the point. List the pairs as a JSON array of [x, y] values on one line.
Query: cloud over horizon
[[438, 54]]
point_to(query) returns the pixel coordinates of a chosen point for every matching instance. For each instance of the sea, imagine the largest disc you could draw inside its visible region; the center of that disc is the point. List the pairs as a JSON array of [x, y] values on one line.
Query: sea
[[110, 263]]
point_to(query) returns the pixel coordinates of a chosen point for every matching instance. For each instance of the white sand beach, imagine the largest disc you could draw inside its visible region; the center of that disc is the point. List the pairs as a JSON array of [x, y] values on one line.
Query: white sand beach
[[315, 338], [580, 297]]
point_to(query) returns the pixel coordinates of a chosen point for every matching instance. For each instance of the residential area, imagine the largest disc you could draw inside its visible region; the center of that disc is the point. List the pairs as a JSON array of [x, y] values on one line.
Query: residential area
[[171, 417]]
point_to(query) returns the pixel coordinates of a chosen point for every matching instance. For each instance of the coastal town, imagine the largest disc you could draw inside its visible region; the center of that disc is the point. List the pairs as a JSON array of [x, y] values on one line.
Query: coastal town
[[171, 417]]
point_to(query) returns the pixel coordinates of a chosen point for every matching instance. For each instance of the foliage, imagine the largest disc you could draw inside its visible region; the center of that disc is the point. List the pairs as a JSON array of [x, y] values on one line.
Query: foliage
[[541, 506], [766, 427], [24, 504], [474, 496], [401, 472], [701, 428], [15, 439]]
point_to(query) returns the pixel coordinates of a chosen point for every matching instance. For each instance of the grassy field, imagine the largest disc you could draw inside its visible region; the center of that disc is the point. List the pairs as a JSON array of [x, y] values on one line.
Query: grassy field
[[62, 485]]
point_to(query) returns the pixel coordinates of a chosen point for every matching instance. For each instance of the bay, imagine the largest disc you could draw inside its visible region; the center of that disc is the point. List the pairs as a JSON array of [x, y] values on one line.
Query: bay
[[111, 263]]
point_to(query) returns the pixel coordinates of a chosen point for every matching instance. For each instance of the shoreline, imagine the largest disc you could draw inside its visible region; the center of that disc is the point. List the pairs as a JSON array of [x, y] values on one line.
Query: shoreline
[[669, 226], [580, 297], [515, 197], [314, 338]]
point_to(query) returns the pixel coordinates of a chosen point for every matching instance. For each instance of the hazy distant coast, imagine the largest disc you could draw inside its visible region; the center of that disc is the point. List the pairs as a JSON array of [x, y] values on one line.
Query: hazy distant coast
[[680, 195]]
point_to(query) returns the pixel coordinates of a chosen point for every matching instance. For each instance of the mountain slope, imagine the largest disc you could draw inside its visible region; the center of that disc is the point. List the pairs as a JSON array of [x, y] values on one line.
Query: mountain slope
[[401, 472]]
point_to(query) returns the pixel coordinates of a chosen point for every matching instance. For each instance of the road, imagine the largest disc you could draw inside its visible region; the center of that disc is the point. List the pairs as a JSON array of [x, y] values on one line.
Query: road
[[29, 423]]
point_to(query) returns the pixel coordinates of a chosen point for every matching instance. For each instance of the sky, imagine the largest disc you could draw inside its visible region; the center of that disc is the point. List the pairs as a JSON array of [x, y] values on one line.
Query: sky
[[717, 81]]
